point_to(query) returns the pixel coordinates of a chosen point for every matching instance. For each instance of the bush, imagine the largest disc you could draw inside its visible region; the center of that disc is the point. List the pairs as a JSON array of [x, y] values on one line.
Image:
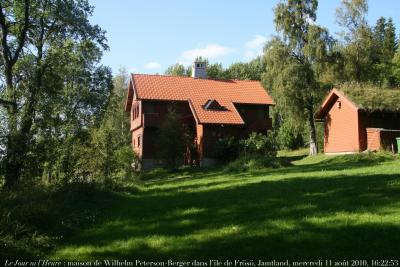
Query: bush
[[226, 149], [256, 152], [172, 141], [289, 137], [243, 164], [258, 144], [35, 216]]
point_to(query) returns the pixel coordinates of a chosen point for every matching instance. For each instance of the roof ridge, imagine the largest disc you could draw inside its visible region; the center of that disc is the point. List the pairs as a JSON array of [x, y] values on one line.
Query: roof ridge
[[189, 77]]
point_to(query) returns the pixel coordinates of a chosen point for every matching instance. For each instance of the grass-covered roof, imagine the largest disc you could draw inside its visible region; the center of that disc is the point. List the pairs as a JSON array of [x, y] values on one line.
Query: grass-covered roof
[[372, 98]]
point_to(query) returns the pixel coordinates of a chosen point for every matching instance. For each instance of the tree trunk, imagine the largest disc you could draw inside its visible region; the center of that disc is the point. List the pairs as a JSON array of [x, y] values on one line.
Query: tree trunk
[[17, 147], [313, 134], [18, 140], [12, 162], [12, 166]]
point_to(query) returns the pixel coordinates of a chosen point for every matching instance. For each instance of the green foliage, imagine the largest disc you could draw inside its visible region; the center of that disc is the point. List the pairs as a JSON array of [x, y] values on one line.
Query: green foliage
[[172, 140], [178, 70], [111, 141], [371, 98], [296, 63], [240, 71], [36, 216], [255, 145], [57, 89], [289, 136], [255, 152], [395, 69], [351, 14], [226, 149], [366, 52], [386, 46], [340, 197], [252, 163], [215, 71], [246, 71], [258, 144]]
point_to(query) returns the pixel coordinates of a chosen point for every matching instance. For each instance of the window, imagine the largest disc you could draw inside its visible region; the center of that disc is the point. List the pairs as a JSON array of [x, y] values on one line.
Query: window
[[135, 111], [138, 141], [198, 65], [213, 104]]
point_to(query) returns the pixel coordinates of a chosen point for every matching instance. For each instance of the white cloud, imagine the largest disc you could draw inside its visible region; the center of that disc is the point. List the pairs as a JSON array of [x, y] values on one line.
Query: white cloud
[[254, 47], [210, 51], [152, 65], [257, 42]]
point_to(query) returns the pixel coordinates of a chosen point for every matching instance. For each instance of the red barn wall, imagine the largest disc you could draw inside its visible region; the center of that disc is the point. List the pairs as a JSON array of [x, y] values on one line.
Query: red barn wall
[[138, 148], [342, 128]]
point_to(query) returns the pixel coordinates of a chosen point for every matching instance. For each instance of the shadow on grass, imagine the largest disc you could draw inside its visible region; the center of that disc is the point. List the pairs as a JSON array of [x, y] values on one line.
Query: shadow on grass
[[34, 216], [339, 217], [219, 177], [287, 160], [210, 214]]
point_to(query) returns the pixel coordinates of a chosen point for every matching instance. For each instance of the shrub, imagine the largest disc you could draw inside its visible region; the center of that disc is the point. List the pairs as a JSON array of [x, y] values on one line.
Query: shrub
[[226, 149], [172, 141], [258, 144], [243, 164], [289, 137], [256, 152], [35, 216]]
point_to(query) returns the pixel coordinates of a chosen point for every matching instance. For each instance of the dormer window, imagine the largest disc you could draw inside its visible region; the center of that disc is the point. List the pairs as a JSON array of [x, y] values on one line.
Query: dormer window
[[213, 104]]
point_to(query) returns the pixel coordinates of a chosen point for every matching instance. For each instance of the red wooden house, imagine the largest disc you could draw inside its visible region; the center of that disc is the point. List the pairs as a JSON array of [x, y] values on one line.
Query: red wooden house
[[360, 119], [210, 108]]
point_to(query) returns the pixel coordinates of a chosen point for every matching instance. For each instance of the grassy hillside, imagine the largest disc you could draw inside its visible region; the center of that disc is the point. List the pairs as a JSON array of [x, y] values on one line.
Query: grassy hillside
[[320, 207]]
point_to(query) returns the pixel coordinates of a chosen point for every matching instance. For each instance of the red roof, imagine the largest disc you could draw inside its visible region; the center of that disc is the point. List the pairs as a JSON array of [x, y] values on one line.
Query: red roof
[[197, 92]]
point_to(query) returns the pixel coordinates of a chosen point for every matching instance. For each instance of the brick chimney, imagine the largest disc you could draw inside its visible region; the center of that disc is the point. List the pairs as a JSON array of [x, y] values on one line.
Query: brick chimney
[[199, 70]]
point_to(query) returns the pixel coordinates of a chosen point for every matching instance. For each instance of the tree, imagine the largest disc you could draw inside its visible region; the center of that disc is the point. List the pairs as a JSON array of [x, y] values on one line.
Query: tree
[[172, 140], [359, 52], [73, 101], [246, 71], [178, 70], [395, 68], [351, 15], [215, 71], [37, 36], [389, 41], [385, 45], [295, 63], [111, 141]]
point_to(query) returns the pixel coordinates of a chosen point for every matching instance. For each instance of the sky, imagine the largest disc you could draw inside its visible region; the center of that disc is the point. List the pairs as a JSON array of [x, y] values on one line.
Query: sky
[[147, 36]]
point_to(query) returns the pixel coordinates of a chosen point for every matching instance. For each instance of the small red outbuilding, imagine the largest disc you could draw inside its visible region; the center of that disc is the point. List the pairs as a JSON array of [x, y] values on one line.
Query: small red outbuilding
[[360, 119]]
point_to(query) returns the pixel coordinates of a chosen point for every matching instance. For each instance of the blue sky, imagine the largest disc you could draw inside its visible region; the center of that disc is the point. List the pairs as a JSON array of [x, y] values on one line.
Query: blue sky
[[149, 35]]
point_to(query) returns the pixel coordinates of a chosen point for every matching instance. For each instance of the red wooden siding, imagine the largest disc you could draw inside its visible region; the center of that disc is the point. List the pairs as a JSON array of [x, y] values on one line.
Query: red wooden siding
[[373, 139], [341, 127], [349, 128]]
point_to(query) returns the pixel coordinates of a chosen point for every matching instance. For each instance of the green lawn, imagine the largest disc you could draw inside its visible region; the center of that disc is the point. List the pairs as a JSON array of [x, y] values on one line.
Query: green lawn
[[321, 207]]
